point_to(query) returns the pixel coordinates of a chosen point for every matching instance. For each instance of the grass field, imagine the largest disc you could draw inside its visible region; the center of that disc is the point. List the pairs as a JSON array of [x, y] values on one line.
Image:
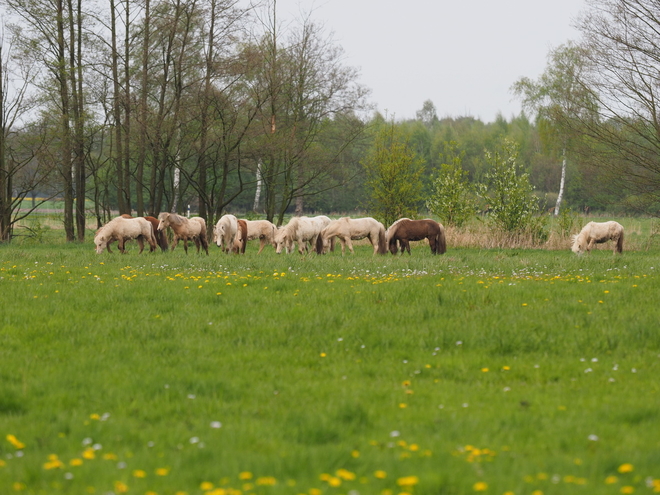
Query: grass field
[[496, 371]]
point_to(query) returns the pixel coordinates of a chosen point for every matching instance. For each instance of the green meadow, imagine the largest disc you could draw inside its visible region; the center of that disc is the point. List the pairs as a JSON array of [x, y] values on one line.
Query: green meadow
[[525, 372]]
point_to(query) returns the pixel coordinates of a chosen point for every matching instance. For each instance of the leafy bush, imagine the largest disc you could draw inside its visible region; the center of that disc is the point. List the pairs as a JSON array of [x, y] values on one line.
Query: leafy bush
[[453, 198], [512, 204]]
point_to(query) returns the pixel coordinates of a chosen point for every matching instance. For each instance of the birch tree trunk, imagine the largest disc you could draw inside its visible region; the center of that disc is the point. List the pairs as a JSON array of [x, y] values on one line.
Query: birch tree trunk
[[560, 196]]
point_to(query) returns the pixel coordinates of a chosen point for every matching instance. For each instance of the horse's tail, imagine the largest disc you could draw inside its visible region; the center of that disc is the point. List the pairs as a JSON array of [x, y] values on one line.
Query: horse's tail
[[441, 245], [319, 243], [382, 244]]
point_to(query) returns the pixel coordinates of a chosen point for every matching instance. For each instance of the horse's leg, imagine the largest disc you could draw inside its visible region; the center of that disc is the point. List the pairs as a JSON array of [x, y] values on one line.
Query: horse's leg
[[185, 244], [262, 244], [349, 243], [140, 242], [197, 243], [406, 245], [120, 245]]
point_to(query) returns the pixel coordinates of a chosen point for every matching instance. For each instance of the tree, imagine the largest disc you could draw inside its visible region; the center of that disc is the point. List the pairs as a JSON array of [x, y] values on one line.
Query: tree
[[621, 43], [557, 97], [20, 171], [393, 172], [508, 191], [452, 194]]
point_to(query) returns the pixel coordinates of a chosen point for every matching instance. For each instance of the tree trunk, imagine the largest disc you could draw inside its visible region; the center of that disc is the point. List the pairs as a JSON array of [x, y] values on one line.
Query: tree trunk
[[66, 154], [560, 196], [142, 136]]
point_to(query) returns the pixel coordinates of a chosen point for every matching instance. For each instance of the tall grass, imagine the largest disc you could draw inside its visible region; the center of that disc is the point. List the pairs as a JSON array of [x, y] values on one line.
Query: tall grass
[[503, 370]]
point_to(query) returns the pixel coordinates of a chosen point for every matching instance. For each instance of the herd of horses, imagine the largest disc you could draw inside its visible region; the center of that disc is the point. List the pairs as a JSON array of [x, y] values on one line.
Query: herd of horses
[[317, 233]]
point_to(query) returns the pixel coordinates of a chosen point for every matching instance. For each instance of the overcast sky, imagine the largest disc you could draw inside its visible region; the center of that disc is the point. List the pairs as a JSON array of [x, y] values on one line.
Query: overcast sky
[[462, 55]]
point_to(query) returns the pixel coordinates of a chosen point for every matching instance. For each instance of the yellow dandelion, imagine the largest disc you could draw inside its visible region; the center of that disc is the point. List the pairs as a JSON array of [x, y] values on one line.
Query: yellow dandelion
[[334, 481], [315, 491], [355, 454], [480, 486], [76, 462], [89, 453], [381, 475], [610, 480], [403, 405], [407, 481], [95, 416], [121, 487], [245, 475], [266, 481], [537, 492], [2, 463], [484, 370], [345, 474], [162, 471], [206, 485], [627, 489], [139, 473], [110, 456], [18, 486], [15, 442], [323, 354], [626, 468]]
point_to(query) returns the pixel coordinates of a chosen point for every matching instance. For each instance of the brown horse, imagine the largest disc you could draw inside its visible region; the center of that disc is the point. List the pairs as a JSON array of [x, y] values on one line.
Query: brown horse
[[240, 241], [161, 238], [405, 230], [185, 229]]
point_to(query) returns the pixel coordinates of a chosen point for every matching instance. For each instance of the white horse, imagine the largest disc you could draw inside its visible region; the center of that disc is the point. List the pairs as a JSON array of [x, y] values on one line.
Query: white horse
[[597, 233], [122, 229], [349, 229], [224, 232], [262, 230], [302, 230]]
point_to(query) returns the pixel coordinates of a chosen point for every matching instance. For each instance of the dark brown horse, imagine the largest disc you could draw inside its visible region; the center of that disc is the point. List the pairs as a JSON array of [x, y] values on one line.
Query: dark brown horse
[[405, 230], [161, 237]]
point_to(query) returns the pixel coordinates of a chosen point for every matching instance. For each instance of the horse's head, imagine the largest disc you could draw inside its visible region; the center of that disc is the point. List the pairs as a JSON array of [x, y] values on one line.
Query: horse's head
[[101, 242], [163, 221], [578, 245], [219, 234], [280, 241]]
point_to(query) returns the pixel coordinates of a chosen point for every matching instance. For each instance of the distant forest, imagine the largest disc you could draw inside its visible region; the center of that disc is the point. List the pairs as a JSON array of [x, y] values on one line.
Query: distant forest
[[156, 105]]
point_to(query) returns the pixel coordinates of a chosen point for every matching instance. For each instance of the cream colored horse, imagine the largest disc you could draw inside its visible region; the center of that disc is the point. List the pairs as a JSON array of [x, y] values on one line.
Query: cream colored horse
[[186, 229], [262, 230], [596, 233], [224, 232], [349, 229], [301, 230], [121, 229]]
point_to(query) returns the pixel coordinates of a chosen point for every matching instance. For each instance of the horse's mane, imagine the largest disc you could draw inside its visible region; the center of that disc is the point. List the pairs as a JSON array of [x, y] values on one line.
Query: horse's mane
[[393, 228]]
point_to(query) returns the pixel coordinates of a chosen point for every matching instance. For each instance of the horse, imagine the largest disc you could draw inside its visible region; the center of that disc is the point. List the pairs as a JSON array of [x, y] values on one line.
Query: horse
[[185, 229], [262, 230], [121, 229], [301, 230], [240, 241], [597, 233], [405, 230], [224, 232], [349, 229], [161, 238]]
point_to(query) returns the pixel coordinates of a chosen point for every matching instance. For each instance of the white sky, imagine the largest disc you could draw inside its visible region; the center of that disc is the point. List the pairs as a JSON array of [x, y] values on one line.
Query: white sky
[[463, 55]]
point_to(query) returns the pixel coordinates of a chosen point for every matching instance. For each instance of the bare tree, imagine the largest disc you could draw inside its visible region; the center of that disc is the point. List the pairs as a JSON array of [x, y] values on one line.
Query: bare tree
[[622, 44]]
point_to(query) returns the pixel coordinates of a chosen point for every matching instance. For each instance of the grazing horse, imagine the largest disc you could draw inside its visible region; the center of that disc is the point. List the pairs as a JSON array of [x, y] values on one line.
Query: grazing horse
[[302, 230], [224, 232], [405, 230], [161, 238], [240, 241], [185, 229], [597, 233], [262, 230], [121, 229], [349, 229]]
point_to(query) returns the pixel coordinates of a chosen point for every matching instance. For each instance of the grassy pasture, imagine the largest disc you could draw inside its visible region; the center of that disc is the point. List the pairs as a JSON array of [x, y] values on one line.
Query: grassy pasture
[[483, 370]]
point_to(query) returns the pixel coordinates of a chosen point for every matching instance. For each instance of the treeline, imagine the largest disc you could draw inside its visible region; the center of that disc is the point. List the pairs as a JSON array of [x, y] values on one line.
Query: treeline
[[154, 105]]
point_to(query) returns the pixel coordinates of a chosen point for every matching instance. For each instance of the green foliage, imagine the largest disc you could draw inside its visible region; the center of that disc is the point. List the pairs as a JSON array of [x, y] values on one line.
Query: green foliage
[[453, 196], [509, 193], [393, 172]]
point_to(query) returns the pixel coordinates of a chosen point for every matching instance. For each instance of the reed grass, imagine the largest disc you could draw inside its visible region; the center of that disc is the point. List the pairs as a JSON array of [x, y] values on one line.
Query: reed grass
[[497, 370]]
